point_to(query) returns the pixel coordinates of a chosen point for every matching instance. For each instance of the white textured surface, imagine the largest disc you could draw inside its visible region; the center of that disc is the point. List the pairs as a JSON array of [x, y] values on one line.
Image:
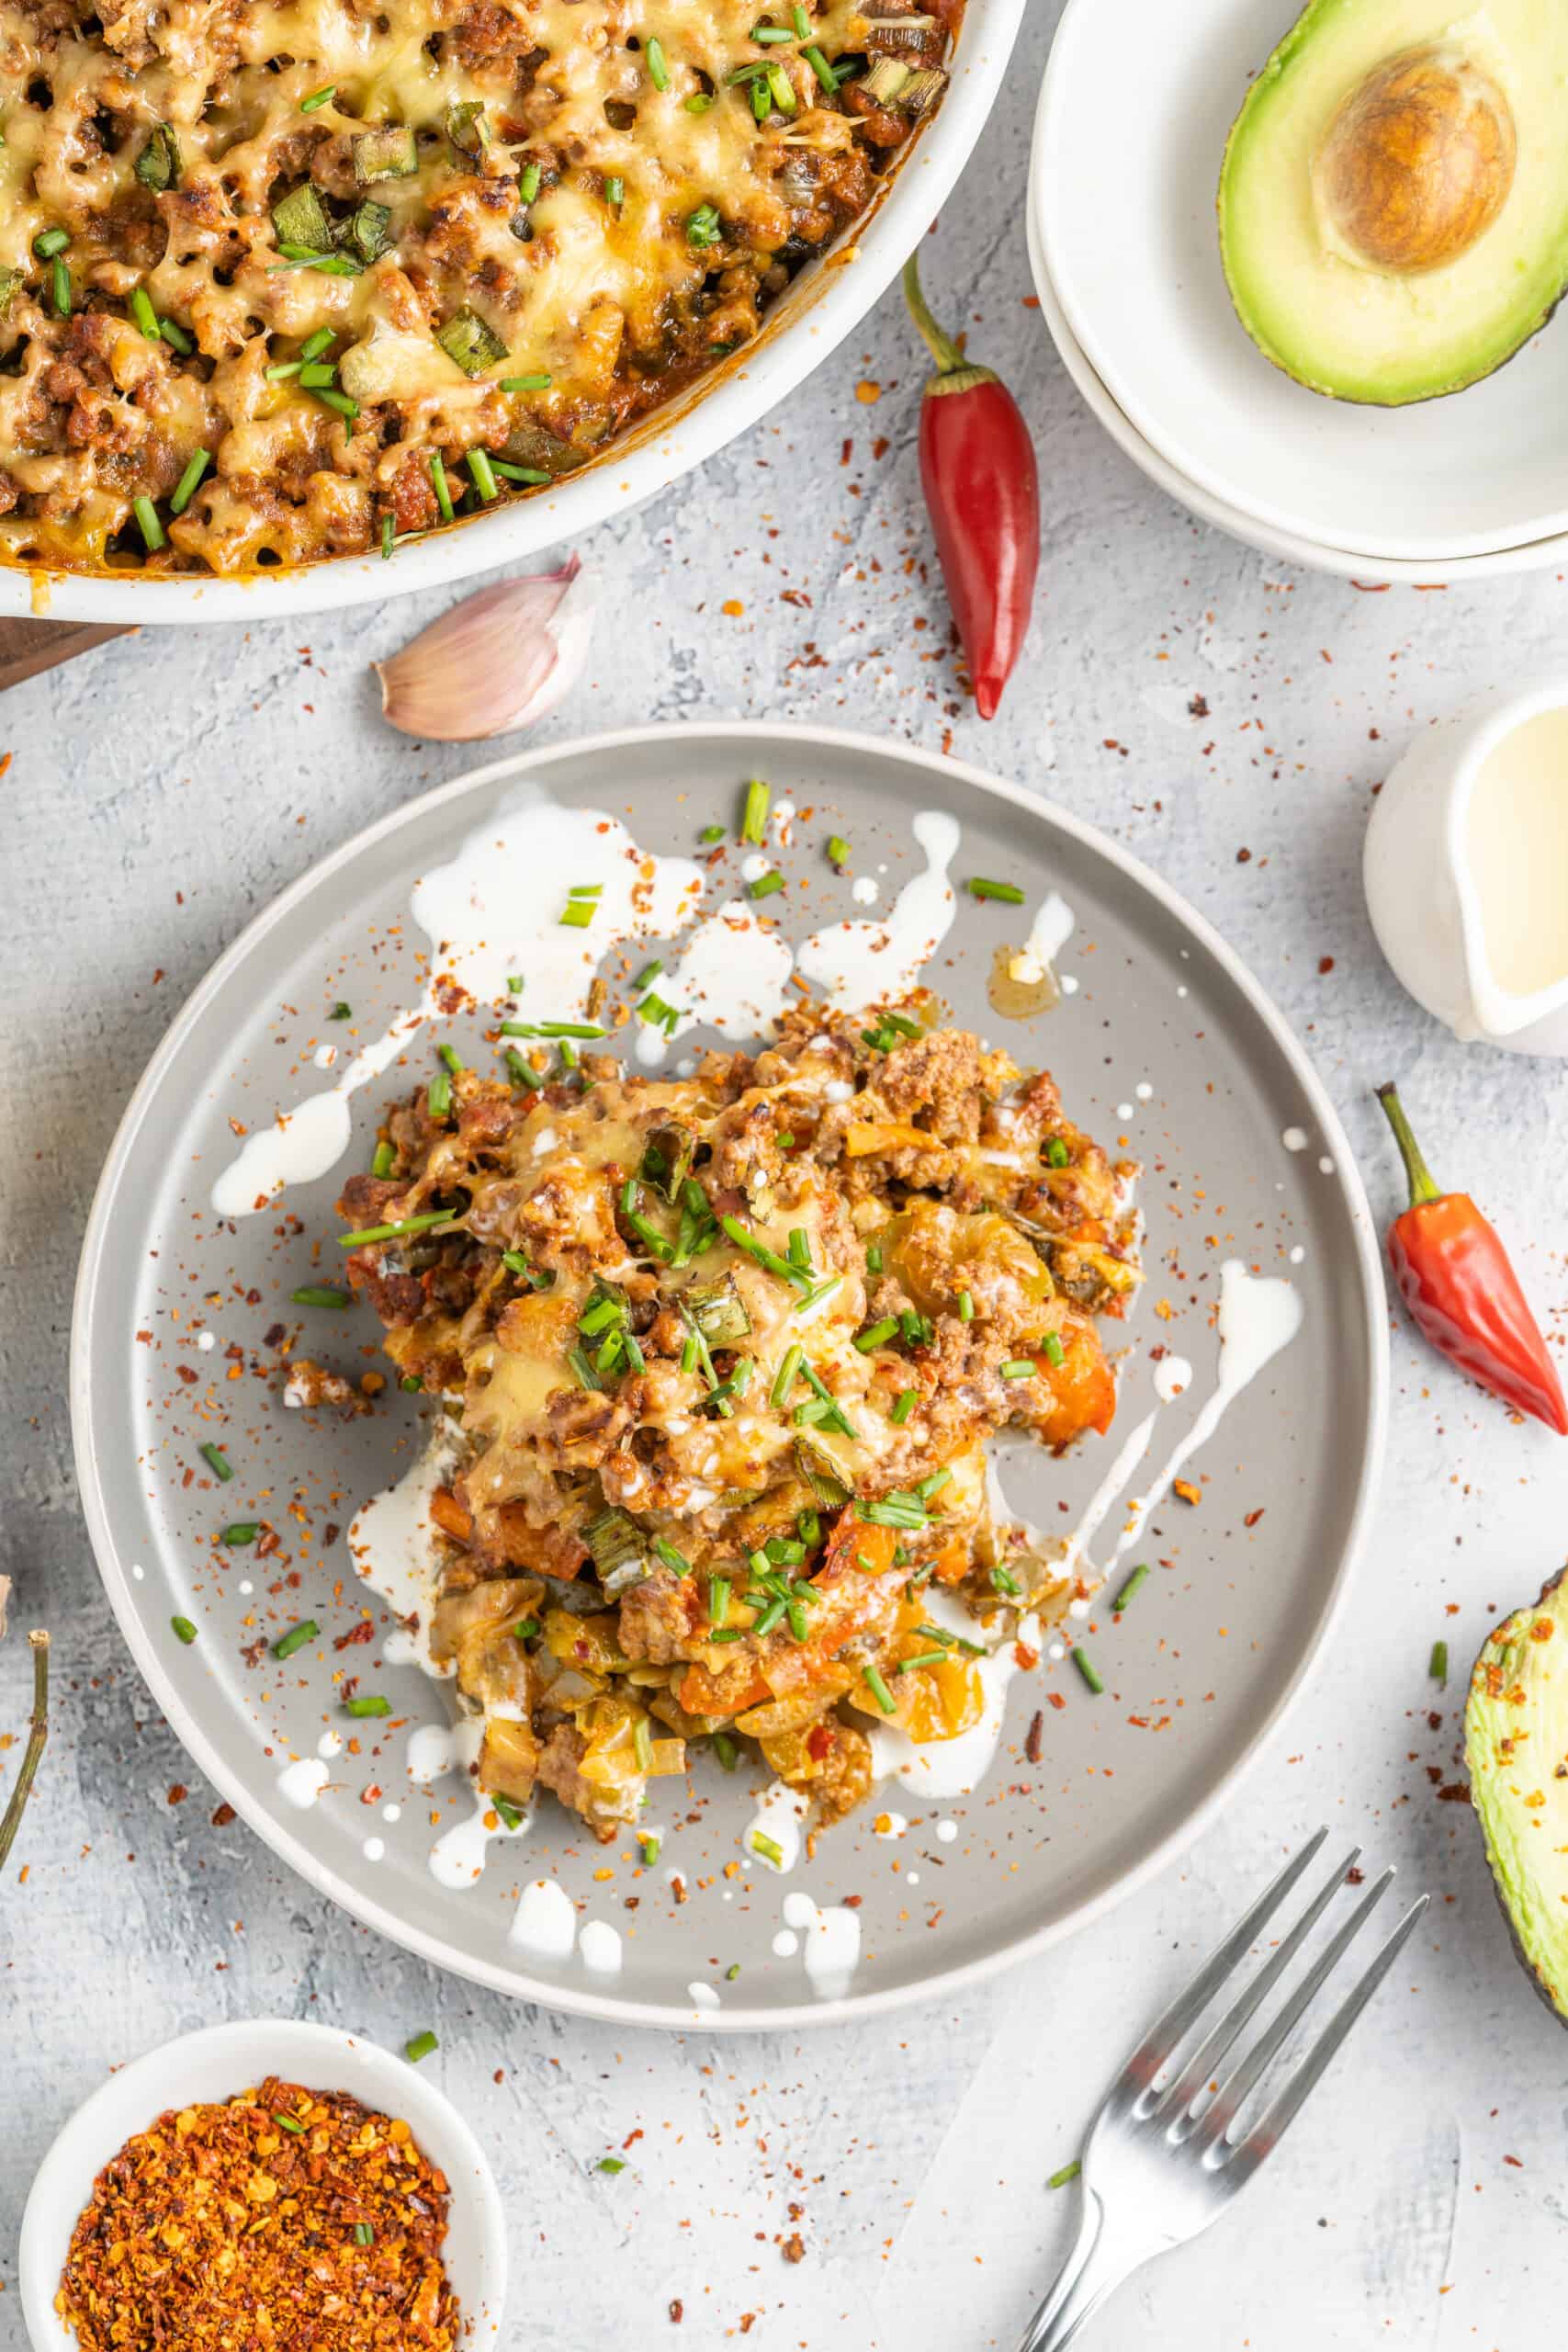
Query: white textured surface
[[162, 790]]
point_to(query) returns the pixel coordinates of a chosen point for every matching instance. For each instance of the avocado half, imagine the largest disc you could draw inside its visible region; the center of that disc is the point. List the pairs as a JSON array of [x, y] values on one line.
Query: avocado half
[[1394, 199], [1516, 1745]]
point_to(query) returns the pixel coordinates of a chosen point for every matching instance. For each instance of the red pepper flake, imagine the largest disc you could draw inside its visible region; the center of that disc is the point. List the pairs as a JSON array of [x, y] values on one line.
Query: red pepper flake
[[1185, 1491], [677, 2311], [177, 1793], [364, 1632], [1325, 965], [793, 2248], [1253, 1517], [257, 2204], [1034, 1736], [1056, 1698], [224, 1817]]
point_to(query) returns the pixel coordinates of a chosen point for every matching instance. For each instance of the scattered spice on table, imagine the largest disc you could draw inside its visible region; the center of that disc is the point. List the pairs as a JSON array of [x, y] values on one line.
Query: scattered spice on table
[[283, 2216]]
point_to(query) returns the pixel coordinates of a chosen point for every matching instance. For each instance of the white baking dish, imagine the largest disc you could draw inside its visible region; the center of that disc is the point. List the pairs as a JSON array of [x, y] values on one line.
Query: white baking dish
[[816, 312]]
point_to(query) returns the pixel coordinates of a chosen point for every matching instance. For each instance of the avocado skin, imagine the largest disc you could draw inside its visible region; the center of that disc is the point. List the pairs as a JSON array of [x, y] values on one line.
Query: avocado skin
[[1509, 1660], [1307, 29]]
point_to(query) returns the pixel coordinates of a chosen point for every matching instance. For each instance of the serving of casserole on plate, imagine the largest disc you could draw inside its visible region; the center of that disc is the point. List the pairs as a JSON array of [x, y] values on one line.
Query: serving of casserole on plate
[[311, 278], [624, 1464]]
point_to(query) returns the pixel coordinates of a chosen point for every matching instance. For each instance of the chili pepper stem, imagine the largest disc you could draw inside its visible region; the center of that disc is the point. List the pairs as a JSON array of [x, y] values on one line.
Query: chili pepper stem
[[1422, 1188], [38, 1733], [942, 348]]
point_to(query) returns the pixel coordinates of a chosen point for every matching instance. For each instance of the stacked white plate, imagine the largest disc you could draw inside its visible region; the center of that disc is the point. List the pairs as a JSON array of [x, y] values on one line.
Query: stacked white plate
[[1137, 101]]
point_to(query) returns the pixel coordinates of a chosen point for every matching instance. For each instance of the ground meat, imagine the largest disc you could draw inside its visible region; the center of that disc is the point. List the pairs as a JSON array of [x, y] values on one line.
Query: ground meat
[[557, 1771]]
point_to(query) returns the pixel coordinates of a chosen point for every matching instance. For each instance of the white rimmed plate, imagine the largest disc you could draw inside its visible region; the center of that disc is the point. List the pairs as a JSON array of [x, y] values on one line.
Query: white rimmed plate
[[1128, 237]]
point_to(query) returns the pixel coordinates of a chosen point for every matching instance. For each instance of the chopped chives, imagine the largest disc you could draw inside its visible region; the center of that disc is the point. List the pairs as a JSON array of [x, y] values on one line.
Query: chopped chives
[[704, 228], [451, 1057], [175, 337], [838, 849], [1056, 1153], [281, 370], [934, 1484], [1004, 1581], [364, 2235], [392, 1232], [912, 1665], [589, 1029], [577, 913], [768, 1847], [648, 974], [141, 310], [879, 1690], [290, 2123], [296, 1638], [389, 535], [1018, 1368], [530, 475], [438, 484], [784, 1378], [319, 1295], [612, 2163], [907, 1400], [382, 1163], [724, 1748], [316, 373], [1068, 2172], [218, 1462], [765, 884], [1052, 1350], [146, 515], [658, 63], [61, 281], [514, 984], [771, 1258], [754, 813], [243, 1530], [341, 1011], [538, 382], [318, 98], [1437, 1666], [586, 1375], [874, 1334], [966, 1306], [184, 1630], [801, 22], [411, 1383], [711, 833], [484, 479], [765, 33], [521, 1072], [699, 102], [528, 182], [420, 2047], [653, 1846], [49, 242], [510, 1815], [873, 1256], [343, 403], [820, 67], [527, 1629], [719, 1600], [374, 1706], [1088, 1668], [799, 1246], [1138, 1577], [782, 90], [614, 189], [314, 345], [1007, 892], [439, 1098], [642, 1742], [666, 1551]]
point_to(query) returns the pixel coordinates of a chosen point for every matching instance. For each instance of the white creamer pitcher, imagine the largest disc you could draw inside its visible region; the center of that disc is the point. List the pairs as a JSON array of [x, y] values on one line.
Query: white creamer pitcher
[[1466, 869]]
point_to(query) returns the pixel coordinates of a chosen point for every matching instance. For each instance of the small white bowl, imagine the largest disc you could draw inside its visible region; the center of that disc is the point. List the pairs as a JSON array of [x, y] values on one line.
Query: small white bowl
[[1538, 554], [214, 2064], [1128, 235]]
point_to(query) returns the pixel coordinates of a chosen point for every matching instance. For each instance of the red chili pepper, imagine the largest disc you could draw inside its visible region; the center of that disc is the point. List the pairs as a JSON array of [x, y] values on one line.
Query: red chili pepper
[[983, 490], [1454, 1276]]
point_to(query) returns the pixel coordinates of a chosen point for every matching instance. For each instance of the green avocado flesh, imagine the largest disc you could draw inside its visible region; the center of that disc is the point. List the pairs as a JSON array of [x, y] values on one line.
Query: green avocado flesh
[[1316, 307], [1516, 1744]]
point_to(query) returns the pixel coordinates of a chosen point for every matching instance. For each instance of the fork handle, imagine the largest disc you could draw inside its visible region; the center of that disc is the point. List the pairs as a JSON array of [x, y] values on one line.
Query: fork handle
[[1092, 2269]]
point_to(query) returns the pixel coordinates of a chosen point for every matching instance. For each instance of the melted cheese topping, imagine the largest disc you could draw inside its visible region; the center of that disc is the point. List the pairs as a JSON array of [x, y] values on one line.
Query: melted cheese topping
[[589, 185]]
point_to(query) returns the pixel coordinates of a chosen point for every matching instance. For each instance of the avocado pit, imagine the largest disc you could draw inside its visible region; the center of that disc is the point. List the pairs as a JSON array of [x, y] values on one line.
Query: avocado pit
[[1417, 162]]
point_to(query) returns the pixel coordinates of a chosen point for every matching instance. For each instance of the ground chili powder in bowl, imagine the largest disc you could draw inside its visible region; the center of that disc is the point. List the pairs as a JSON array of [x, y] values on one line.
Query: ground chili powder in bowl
[[264, 2187]]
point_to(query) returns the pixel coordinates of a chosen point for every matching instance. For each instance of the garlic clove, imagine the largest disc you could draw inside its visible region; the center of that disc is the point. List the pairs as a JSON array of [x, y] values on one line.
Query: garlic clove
[[499, 662]]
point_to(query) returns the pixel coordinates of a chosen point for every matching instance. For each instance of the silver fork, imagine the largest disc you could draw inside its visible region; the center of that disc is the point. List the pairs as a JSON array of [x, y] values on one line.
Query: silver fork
[[1159, 2165]]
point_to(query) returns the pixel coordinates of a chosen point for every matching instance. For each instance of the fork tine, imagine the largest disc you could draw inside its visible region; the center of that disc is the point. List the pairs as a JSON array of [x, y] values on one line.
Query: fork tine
[[1271, 2127], [1249, 2071], [1220, 2038], [1159, 2043]]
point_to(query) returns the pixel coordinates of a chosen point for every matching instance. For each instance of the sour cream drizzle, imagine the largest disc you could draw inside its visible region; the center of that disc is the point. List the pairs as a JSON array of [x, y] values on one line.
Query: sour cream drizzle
[[830, 1943], [859, 963], [392, 1544]]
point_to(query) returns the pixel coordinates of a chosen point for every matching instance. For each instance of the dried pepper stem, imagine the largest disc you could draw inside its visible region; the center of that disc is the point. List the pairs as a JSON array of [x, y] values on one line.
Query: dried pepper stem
[[37, 1732]]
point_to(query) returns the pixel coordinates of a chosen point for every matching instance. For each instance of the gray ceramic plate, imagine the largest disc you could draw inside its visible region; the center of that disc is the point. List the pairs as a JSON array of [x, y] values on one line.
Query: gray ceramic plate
[[181, 1320]]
